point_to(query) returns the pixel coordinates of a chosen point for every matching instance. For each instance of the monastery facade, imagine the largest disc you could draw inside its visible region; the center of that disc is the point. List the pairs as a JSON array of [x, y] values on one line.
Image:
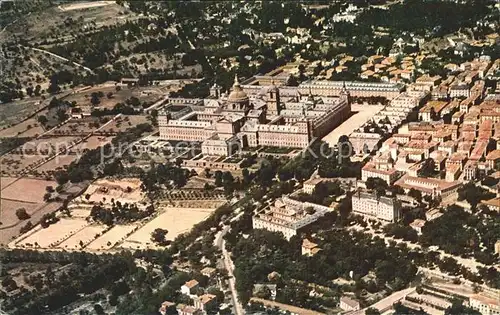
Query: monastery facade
[[224, 123]]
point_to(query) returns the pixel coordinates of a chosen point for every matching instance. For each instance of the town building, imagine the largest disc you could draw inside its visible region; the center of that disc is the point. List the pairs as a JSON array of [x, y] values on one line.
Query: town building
[[189, 287], [417, 225], [374, 207], [429, 186], [356, 89], [309, 248], [204, 302], [388, 174], [164, 306], [485, 305], [349, 304], [288, 216]]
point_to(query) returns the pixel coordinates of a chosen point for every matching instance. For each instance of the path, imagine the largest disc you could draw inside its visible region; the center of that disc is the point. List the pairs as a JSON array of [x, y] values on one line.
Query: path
[[61, 58]]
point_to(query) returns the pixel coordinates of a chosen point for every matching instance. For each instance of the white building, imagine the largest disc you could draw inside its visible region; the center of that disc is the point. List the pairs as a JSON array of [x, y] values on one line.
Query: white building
[[288, 216], [189, 286], [485, 305], [381, 208], [348, 304]]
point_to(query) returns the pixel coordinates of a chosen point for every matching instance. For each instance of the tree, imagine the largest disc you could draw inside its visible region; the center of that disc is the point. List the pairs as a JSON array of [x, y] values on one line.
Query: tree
[[22, 214], [417, 194], [457, 308], [427, 168], [158, 236], [42, 119], [372, 311]]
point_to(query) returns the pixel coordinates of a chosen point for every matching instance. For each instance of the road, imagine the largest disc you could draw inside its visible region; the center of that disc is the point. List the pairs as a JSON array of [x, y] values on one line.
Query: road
[[228, 264]]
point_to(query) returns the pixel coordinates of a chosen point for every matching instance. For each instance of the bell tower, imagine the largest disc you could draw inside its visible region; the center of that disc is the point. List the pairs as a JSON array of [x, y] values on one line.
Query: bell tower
[[344, 94], [273, 100], [215, 90]]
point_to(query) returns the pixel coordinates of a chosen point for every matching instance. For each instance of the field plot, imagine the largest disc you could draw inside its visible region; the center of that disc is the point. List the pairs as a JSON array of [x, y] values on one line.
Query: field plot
[[78, 127], [362, 114], [27, 128], [9, 231], [46, 146], [90, 144], [175, 220], [123, 123], [80, 213], [124, 190], [8, 210], [13, 164], [112, 237], [84, 5], [27, 190], [82, 237], [145, 94], [6, 181], [59, 162], [54, 234], [13, 112]]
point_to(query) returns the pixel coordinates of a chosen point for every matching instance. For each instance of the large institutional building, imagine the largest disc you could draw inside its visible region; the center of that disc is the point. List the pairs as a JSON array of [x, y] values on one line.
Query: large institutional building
[[288, 216], [381, 208], [224, 123]]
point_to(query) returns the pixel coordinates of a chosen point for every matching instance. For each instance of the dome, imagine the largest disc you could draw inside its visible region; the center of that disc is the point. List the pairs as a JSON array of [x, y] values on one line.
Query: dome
[[237, 94]]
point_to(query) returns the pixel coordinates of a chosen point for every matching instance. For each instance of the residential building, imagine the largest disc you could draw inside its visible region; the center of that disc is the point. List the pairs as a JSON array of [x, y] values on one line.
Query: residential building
[[204, 302], [429, 186], [309, 248], [164, 306], [189, 287], [417, 225], [389, 175], [188, 310], [381, 208], [432, 214], [349, 304], [208, 272], [492, 204]]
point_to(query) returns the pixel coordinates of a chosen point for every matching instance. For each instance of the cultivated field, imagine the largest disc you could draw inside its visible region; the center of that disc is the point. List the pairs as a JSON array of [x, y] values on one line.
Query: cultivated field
[[54, 234], [144, 94], [84, 5], [362, 114], [9, 231], [13, 164], [112, 237], [82, 237], [8, 210], [78, 127], [13, 112], [5, 181], [24, 193], [27, 128], [27, 190], [175, 220], [60, 161], [123, 123]]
